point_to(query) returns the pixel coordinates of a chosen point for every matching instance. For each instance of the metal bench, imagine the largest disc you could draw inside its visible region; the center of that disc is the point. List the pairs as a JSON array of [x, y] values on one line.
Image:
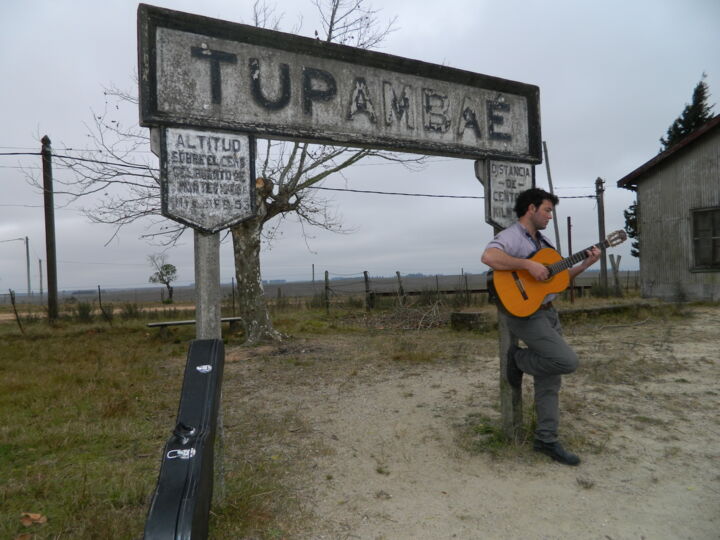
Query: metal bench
[[163, 326]]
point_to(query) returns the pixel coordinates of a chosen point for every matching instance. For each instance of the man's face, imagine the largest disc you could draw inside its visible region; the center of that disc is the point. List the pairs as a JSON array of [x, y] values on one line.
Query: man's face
[[541, 216]]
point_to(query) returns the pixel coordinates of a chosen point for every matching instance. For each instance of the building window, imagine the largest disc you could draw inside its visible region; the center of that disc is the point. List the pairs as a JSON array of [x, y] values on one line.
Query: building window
[[706, 239]]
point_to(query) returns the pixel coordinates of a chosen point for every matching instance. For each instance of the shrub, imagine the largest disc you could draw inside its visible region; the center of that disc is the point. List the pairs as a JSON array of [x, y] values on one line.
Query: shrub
[[83, 312], [130, 311]]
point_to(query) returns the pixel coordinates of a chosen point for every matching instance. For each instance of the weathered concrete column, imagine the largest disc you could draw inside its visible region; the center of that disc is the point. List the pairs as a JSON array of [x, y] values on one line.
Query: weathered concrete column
[[207, 285], [208, 326], [510, 398]]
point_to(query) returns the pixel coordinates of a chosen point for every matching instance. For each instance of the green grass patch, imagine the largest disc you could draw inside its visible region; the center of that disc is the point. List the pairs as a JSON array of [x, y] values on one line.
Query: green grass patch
[[84, 412], [480, 434]]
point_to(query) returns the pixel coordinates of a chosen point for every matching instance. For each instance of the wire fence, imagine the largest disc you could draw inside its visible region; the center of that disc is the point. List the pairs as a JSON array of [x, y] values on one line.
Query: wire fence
[[339, 286]]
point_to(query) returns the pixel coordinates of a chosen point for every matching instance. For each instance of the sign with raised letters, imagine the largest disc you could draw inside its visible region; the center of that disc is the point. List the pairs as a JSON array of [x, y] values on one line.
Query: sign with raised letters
[[207, 178], [196, 71]]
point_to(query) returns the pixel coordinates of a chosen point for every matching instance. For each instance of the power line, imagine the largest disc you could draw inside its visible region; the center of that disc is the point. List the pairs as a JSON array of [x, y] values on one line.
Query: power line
[[397, 193], [116, 164], [393, 193], [61, 156], [102, 263], [428, 195]]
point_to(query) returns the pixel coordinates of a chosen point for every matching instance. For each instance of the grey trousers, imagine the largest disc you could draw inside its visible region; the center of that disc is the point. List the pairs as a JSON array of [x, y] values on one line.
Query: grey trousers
[[547, 357]]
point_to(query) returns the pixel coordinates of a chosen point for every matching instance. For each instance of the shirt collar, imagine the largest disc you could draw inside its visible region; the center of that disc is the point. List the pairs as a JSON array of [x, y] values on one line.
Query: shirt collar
[[541, 236]]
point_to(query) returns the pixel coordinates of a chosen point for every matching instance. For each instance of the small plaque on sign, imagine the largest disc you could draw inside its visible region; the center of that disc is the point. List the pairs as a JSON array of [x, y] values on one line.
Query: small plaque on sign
[[207, 177], [503, 181]]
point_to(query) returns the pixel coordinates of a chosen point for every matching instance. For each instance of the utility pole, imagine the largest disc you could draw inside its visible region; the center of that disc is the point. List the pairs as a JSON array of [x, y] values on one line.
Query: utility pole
[[572, 281], [599, 191], [27, 256], [46, 153], [555, 216], [41, 280]]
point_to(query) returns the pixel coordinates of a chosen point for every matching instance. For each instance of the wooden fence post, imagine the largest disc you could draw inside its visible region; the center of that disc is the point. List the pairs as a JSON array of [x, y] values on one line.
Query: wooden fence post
[[17, 315], [401, 291], [599, 191], [369, 299], [327, 292], [108, 316], [572, 281], [232, 285]]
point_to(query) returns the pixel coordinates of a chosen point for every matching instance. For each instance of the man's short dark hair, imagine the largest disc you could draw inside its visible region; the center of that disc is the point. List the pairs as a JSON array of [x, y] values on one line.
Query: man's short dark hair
[[534, 196]]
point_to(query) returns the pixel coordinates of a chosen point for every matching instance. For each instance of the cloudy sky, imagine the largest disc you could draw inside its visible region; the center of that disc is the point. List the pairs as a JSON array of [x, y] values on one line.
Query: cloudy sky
[[613, 75]]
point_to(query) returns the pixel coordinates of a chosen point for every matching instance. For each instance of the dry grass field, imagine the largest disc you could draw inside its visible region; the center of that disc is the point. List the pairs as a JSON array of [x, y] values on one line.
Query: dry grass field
[[380, 425]]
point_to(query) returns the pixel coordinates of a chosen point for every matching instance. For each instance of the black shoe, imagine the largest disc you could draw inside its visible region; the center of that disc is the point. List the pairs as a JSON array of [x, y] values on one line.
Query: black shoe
[[512, 371], [556, 451]]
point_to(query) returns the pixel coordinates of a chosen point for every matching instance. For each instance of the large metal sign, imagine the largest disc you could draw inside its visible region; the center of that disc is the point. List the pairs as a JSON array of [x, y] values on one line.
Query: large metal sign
[[219, 75], [503, 181], [207, 177]]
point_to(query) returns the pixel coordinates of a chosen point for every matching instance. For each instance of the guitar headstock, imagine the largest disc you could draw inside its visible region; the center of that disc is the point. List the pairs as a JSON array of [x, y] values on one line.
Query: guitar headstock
[[615, 238]]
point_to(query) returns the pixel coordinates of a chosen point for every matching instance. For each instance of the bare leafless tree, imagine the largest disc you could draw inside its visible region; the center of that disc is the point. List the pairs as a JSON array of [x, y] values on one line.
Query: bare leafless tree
[[129, 188]]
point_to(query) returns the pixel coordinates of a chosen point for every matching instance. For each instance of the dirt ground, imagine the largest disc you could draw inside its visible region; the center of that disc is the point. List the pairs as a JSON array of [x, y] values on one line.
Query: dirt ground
[[382, 437]]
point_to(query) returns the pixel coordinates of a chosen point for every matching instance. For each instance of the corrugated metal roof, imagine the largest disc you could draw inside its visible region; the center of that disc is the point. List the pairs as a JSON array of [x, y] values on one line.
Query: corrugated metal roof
[[631, 180]]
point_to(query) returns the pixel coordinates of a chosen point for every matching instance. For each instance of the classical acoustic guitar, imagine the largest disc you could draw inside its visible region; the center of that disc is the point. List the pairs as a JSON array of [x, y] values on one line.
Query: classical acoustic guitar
[[521, 294]]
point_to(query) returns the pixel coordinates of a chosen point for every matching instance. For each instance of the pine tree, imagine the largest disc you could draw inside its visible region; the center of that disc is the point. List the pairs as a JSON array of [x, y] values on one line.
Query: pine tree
[[631, 215], [693, 116]]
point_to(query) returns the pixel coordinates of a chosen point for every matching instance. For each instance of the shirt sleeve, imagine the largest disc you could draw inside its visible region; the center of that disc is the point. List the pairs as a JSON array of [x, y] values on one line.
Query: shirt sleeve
[[499, 242], [509, 241]]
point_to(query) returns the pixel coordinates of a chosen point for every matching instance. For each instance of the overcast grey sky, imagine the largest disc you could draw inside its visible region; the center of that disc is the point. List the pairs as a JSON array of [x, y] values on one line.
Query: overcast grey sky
[[613, 75]]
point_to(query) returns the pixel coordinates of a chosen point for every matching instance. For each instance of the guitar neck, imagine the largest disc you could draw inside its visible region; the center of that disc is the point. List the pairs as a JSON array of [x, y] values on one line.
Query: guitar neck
[[572, 260]]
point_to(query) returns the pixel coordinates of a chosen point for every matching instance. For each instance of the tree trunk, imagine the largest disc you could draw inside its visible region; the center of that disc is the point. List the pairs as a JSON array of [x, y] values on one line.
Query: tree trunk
[[253, 309]]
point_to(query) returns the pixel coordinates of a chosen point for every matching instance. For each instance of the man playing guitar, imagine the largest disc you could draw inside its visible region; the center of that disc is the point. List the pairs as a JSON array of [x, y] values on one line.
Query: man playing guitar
[[547, 356]]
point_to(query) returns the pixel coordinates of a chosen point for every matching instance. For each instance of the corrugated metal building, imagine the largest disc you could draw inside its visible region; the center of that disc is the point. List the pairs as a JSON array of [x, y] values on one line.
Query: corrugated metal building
[[678, 195]]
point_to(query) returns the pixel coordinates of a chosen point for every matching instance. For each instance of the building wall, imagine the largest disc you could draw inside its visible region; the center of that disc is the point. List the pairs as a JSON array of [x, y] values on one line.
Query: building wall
[[667, 196]]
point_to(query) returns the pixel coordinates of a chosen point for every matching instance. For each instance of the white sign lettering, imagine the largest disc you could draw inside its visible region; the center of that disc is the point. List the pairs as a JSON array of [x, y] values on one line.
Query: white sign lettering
[[206, 178]]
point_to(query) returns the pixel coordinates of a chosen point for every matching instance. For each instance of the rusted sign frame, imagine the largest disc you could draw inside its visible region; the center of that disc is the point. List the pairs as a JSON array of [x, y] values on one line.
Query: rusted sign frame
[[151, 18], [164, 185]]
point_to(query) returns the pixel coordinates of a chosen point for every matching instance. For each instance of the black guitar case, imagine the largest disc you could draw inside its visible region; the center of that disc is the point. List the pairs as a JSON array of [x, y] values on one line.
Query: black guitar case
[[180, 506]]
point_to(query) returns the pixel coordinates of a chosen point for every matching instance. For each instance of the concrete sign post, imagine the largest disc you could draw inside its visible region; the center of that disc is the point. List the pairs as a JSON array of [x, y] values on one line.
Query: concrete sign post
[[207, 181], [504, 181]]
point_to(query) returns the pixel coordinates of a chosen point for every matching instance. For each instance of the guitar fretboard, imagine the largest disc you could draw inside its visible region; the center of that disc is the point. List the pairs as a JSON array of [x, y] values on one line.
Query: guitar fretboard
[[572, 260]]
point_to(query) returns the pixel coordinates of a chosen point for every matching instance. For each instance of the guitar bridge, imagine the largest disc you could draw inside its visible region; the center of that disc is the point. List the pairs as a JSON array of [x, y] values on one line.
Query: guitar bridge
[[519, 285]]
